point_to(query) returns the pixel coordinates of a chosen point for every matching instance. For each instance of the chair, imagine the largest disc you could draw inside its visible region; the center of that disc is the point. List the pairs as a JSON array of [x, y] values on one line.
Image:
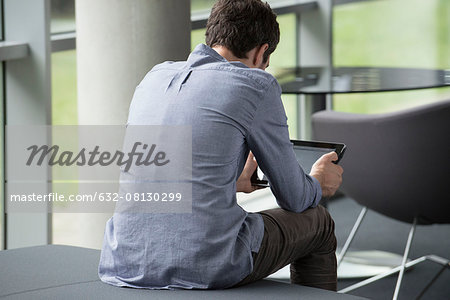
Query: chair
[[396, 164]]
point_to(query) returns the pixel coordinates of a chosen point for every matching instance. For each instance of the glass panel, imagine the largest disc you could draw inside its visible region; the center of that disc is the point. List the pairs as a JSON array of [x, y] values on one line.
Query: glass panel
[[65, 226], [198, 5], [197, 37], [64, 88], [397, 33], [1, 20], [285, 56], [62, 16]]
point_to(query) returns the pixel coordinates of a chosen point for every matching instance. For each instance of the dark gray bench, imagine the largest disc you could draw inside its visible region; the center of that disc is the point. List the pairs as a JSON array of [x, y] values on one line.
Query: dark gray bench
[[65, 272]]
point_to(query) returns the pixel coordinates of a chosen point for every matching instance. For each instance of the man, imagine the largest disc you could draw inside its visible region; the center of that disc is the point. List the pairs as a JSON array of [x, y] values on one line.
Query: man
[[235, 110]]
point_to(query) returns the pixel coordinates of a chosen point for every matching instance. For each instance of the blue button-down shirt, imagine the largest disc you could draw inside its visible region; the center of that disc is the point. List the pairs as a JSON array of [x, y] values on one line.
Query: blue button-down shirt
[[232, 109]]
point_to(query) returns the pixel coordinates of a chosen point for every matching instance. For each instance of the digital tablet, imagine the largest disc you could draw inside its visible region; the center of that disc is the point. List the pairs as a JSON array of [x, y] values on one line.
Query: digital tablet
[[307, 153]]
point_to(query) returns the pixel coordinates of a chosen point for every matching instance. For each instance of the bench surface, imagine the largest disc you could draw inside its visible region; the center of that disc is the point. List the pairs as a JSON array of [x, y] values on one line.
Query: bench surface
[[66, 272]]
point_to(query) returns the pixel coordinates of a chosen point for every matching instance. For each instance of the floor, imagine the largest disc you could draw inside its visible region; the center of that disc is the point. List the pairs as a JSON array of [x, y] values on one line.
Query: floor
[[382, 233]]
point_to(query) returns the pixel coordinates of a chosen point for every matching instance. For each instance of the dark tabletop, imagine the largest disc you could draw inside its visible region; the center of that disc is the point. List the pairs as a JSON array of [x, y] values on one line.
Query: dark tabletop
[[320, 80]]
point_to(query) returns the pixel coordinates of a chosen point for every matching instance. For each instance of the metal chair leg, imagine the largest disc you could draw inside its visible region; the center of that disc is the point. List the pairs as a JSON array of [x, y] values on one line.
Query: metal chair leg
[[405, 258], [351, 235], [400, 269], [405, 265], [380, 276]]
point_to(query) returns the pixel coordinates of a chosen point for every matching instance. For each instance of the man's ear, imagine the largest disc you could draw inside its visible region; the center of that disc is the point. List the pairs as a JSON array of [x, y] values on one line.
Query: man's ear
[[259, 55]]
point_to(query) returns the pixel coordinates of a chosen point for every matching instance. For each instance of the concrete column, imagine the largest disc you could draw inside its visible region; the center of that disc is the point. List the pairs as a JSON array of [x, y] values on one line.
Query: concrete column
[[118, 42]]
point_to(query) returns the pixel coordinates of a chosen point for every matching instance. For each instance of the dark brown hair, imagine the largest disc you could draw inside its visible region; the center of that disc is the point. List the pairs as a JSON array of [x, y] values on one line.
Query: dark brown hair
[[241, 25]]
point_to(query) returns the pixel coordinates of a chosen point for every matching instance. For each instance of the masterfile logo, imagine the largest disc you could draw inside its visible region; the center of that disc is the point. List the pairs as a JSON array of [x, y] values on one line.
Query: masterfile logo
[[94, 157]]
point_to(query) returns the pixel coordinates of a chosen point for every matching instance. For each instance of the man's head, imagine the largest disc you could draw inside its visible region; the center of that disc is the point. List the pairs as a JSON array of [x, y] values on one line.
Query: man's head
[[242, 25]]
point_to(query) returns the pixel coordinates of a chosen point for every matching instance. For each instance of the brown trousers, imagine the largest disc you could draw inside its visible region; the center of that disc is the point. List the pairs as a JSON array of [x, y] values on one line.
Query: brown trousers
[[305, 240]]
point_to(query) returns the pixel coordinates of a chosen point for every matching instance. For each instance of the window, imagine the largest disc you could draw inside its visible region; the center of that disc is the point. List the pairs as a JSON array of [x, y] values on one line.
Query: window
[[64, 88], [198, 5], [285, 56], [398, 33], [64, 105], [62, 16], [64, 112]]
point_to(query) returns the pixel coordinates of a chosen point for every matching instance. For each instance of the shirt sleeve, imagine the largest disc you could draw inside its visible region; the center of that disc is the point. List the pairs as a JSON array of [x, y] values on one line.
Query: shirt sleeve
[[268, 139]]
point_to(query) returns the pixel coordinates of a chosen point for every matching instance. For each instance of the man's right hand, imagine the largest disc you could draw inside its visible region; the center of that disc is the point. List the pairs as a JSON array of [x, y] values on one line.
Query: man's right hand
[[328, 174]]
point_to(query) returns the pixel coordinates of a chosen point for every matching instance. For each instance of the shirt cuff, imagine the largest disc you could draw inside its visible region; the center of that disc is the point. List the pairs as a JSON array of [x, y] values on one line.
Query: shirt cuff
[[318, 190]]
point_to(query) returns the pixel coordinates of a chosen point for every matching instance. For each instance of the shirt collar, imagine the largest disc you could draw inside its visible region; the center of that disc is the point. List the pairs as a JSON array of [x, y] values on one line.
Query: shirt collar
[[204, 54]]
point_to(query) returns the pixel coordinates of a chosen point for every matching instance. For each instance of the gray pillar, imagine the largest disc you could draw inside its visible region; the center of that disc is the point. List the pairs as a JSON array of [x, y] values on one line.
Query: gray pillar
[[118, 42]]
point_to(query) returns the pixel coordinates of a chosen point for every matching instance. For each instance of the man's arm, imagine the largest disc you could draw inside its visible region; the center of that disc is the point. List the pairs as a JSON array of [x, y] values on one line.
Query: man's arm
[[268, 139]]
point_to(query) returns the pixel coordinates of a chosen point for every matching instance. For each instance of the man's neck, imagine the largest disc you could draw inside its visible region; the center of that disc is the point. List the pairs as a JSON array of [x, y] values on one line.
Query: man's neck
[[228, 55]]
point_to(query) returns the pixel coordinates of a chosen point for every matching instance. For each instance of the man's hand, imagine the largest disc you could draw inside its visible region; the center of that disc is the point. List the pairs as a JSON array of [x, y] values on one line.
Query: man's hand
[[328, 174], [244, 183]]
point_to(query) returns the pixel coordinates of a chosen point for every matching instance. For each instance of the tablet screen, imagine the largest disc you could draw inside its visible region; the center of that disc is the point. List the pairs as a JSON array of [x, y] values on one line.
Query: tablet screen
[[308, 152], [307, 156]]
